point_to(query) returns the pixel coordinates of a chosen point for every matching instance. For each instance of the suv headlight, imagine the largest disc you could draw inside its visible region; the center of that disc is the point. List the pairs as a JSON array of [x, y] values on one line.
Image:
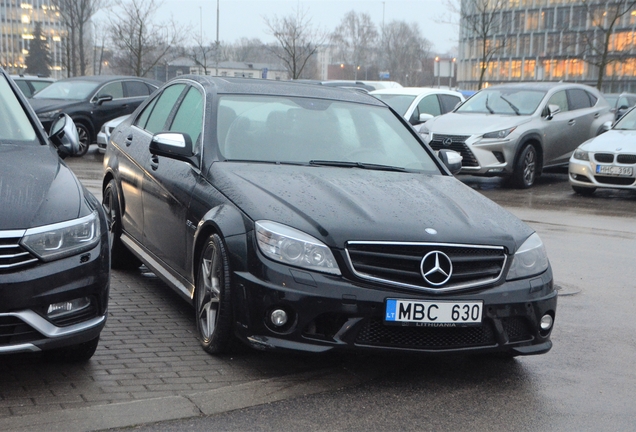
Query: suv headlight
[[290, 246], [531, 259], [581, 155], [500, 134], [63, 239], [49, 114]]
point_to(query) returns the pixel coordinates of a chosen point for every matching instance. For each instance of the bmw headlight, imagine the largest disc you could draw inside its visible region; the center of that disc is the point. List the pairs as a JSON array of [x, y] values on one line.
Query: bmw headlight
[[63, 239], [500, 134], [48, 115], [290, 246], [581, 155], [531, 259]]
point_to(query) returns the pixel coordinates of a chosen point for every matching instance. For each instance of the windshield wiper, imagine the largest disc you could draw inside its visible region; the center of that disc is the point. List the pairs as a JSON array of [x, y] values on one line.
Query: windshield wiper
[[362, 165], [488, 106], [516, 110]]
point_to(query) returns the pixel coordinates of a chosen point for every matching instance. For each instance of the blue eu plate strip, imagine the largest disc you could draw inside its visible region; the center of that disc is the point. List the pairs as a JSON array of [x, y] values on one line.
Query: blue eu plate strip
[[391, 306]]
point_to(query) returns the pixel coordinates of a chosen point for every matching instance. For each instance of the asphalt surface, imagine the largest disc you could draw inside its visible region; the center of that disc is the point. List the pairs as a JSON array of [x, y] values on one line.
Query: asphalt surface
[[149, 368]]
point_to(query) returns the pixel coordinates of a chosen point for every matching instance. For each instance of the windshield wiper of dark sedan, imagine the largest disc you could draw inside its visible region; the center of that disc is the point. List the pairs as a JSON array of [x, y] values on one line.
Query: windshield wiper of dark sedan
[[516, 110], [362, 165]]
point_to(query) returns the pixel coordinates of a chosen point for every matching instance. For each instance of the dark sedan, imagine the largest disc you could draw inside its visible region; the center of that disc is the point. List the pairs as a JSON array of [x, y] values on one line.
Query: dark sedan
[[91, 101], [306, 218], [54, 256]]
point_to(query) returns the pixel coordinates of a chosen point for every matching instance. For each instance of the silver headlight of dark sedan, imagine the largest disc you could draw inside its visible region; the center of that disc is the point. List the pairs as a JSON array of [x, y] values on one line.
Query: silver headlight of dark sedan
[[531, 259]]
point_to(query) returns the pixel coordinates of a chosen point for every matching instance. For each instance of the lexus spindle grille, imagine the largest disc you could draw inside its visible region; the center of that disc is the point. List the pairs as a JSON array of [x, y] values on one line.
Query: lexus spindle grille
[[457, 143], [400, 264]]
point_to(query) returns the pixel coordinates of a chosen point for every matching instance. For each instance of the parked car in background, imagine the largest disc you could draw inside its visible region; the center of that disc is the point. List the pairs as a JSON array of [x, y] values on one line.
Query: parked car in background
[[308, 218], [607, 161], [29, 84], [54, 247], [620, 102], [517, 130], [419, 104], [104, 133], [91, 101]]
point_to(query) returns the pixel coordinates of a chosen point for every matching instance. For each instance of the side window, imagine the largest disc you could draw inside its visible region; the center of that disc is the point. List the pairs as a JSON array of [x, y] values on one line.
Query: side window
[[593, 99], [560, 99], [578, 99], [114, 89], [622, 101], [136, 89], [189, 117], [163, 107], [24, 86], [429, 105], [143, 117], [448, 102]]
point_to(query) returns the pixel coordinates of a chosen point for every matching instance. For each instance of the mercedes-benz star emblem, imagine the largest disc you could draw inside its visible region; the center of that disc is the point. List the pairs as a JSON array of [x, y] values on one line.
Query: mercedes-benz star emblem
[[447, 142], [436, 268]]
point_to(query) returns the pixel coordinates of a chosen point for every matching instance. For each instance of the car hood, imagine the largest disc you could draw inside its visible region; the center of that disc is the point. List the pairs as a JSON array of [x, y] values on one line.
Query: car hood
[[44, 105], [612, 141], [473, 124], [337, 205], [36, 188]]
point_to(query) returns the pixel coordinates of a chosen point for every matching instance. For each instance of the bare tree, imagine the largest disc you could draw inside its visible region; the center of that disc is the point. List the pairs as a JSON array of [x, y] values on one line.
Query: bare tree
[[203, 55], [141, 43], [355, 39], [297, 40], [404, 50], [479, 20], [604, 16]]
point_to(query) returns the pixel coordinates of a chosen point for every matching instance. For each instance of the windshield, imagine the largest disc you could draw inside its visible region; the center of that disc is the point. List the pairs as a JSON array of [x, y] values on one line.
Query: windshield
[[316, 131], [627, 122], [611, 100], [70, 90], [14, 123], [510, 101], [399, 103]]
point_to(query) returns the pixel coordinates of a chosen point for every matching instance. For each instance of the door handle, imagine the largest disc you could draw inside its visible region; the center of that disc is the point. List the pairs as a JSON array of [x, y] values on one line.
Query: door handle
[[572, 122], [129, 139], [597, 115], [154, 162]]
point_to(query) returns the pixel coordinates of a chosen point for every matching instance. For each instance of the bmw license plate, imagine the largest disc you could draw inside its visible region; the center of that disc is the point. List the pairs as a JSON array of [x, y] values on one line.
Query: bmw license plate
[[428, 314], [615, 170]]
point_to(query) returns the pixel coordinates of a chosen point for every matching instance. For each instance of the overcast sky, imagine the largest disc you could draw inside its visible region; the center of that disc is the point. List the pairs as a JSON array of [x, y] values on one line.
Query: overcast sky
[[244, 18]]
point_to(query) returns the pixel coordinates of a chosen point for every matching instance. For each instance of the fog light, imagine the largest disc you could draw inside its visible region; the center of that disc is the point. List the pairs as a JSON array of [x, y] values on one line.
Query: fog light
[[58, 309], [546, 322], [278, 317]]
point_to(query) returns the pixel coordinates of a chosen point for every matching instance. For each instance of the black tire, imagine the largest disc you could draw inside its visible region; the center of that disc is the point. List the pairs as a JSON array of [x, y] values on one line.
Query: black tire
[[84, 134], [583, 190], [213, 300], [526, 168], [79, 353], [120, 256]]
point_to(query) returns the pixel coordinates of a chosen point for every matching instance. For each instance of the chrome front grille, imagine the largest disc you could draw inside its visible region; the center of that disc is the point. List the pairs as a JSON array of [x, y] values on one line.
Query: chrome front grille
[[400, 264], [12, 255], [458, 144]]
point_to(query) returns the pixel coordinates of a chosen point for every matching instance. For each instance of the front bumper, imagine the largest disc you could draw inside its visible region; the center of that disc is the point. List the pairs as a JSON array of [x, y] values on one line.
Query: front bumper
[[102, 141], [332, 313], [583, 174]]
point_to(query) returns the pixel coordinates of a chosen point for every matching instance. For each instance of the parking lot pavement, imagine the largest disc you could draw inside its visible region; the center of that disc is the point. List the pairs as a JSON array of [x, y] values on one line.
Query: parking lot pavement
[[149, 367]]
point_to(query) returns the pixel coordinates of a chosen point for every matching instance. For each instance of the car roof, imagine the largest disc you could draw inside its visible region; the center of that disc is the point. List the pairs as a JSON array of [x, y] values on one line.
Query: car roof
[[415, 91], [31, 78], [251, 86], [545, 86], [107, 78]]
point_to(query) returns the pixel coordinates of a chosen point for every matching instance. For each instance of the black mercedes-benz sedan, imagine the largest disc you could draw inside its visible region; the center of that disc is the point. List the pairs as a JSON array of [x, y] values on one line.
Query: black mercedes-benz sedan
[[54, 244], [314, 219]]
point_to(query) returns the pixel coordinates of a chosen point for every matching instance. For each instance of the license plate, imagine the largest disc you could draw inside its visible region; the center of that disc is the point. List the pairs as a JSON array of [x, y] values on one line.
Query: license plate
[[431, 313], [615, 170]]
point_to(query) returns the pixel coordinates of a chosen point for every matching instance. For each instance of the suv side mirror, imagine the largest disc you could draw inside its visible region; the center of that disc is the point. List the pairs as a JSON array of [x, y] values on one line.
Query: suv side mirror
[[173, 145], [63, 135], [104, 98], [552, 111], [451, 159]]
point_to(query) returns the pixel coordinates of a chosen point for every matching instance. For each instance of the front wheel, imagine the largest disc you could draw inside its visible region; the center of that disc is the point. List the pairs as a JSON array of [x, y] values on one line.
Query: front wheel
[[525, 170], [213, 297], [84, 135]]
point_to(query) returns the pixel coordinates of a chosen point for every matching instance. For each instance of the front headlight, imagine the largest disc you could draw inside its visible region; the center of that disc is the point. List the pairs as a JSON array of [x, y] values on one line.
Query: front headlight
[[531, 259], [63, 239], [581, 155], [290, 246], [49, 114], [500, 134]]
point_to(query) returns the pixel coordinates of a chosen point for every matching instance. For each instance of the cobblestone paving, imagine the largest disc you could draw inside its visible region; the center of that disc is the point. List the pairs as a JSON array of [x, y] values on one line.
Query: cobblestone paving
[[148, 349]]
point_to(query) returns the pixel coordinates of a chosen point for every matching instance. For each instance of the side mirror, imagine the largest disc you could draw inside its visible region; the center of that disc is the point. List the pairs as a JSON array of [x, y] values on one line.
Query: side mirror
[[105, 98], [63, 135], [424, 117], [451, 159], [173, 145], [605, 127], [552, 111]]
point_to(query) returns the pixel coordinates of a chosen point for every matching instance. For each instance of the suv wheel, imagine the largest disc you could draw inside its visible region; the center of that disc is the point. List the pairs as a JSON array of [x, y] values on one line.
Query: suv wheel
[[84, 134], [525, 172]]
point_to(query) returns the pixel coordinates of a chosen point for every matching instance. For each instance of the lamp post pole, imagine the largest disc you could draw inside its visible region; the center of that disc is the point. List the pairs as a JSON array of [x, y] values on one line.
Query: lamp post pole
[[216, 51]]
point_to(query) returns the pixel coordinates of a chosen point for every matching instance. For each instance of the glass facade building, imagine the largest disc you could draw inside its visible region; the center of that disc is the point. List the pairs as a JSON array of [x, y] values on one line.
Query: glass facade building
[[547, 40]]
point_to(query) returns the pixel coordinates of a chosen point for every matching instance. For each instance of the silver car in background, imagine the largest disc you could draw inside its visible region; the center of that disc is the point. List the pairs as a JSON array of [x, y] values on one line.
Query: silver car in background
[[516, 130], [607, 161], [107, 129]]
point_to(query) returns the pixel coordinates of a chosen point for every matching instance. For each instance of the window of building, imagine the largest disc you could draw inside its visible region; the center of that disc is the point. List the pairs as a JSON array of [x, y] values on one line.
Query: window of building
[[547, 19], [563, 18], [529, 67], [532, 20], [538, 42], [520, 17]]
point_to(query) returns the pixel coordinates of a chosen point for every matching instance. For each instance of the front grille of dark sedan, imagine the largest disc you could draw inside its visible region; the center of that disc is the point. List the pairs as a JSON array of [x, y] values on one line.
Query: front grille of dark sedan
[[13, 257], [399, 264], [458, 145], [626, 159], [604, 157], [15, 331]]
